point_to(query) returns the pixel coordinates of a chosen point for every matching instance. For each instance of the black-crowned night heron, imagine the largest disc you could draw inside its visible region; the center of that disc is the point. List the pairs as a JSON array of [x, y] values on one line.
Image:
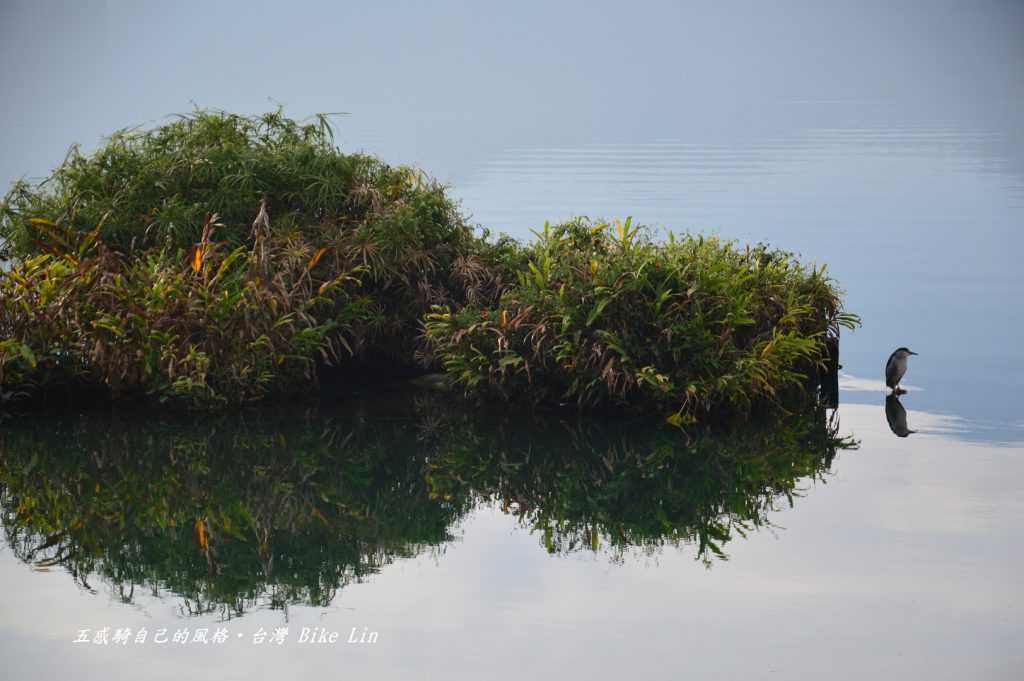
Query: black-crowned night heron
[[896, 367]]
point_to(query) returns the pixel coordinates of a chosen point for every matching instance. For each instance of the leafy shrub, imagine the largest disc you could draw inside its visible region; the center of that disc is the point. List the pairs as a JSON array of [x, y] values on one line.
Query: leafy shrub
[[227, 327], [602, 315], [220, 257]]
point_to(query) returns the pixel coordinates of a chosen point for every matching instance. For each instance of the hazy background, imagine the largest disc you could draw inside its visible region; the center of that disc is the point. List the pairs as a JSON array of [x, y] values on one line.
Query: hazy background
[[882, 138], [447, 84]]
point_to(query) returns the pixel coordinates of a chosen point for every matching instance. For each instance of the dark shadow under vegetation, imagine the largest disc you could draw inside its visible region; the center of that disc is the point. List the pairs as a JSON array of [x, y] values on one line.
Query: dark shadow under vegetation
[[227, 513], [219, 259]]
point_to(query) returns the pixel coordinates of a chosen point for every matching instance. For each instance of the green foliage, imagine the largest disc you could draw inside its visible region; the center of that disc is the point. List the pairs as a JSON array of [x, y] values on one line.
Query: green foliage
[[155, 187], [17, 363], [601, 314], [228, 326], [218, 258]]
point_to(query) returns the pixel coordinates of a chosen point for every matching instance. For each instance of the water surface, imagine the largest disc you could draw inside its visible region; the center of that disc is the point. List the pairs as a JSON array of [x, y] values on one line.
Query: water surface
[[476, 544]]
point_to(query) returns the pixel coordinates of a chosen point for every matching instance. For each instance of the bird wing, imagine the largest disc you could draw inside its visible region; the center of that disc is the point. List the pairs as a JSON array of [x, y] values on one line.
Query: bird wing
[[891, 377]]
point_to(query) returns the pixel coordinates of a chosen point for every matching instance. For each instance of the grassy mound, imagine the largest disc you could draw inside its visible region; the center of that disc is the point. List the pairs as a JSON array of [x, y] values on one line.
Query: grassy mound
[[602, 315], [219, 259]]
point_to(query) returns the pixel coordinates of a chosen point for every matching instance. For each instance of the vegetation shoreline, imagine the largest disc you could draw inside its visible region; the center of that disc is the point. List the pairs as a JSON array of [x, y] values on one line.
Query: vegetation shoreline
[[221, 260]]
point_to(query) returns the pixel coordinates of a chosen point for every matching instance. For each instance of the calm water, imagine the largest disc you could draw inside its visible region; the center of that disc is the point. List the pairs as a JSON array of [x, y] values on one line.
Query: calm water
[[884, 142], [477, 544]]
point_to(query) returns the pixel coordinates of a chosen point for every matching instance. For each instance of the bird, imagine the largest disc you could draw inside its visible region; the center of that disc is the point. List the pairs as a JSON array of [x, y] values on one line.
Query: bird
[[896, 415], [896, 367]]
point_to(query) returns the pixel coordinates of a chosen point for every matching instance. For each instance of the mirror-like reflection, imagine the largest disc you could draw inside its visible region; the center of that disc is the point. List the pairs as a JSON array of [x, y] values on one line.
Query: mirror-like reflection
[[896, 415], [225, 513], [260, 510]]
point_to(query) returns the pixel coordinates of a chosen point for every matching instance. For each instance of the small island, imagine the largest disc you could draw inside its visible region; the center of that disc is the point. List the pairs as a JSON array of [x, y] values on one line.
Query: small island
[[220, 260]]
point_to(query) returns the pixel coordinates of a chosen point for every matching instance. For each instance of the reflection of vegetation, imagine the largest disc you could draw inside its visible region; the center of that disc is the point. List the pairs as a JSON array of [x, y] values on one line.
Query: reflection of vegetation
[[626, 487], [232, 512], [224, 513]]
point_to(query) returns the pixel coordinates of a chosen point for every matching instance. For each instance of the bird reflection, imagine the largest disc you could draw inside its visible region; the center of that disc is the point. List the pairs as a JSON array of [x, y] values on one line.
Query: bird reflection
[[896, 415]]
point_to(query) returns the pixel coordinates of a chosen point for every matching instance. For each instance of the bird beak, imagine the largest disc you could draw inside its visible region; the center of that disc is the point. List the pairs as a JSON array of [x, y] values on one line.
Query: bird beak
[[912, 352]]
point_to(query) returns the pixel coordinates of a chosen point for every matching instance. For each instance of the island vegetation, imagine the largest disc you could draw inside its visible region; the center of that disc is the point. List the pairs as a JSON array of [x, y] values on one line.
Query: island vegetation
[[220, 259]]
